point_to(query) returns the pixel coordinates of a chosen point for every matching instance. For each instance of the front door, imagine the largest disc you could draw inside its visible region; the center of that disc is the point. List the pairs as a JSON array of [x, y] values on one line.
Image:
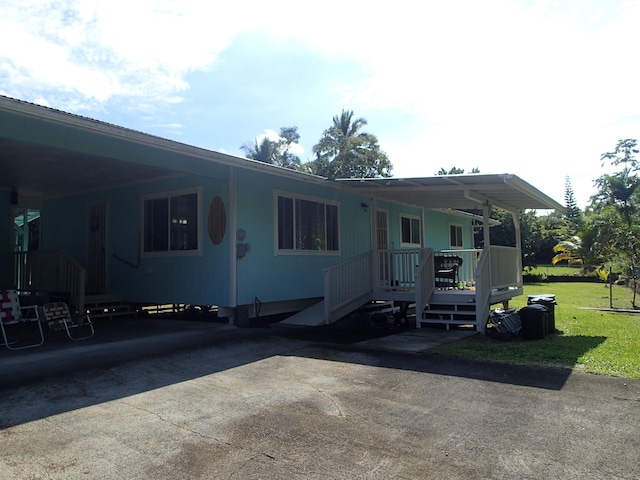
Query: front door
[[96, 248]]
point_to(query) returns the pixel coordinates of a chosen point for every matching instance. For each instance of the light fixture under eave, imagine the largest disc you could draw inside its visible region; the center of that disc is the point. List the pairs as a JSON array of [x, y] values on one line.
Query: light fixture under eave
[[365, 206]]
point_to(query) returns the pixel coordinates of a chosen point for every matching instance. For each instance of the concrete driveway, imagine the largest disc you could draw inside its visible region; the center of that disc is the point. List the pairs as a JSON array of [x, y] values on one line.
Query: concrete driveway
[[193, 400]]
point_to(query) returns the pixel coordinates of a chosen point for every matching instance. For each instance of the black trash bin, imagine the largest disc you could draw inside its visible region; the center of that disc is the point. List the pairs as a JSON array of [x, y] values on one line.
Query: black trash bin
[[534, 319], [549, 301]]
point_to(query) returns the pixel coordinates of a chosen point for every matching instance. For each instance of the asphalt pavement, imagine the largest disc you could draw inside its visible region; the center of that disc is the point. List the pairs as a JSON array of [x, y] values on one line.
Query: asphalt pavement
[[157, 398]]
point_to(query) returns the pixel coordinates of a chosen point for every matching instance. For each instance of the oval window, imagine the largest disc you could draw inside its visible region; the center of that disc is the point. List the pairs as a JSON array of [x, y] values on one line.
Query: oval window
[[217, 221]]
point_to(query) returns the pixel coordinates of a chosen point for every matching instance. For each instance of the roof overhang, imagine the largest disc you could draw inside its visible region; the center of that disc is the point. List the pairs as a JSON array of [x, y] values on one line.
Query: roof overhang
[[461, 192], [48, 153]]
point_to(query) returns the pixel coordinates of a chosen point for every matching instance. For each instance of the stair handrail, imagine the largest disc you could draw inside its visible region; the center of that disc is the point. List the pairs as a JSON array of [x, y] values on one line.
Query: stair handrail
[[425, 280], [483, 289], [495, 272], [46, 271], [346, 283]]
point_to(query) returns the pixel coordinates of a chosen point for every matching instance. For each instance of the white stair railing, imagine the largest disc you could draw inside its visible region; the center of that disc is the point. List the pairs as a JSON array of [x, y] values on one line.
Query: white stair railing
[[470, 258], [47, 271], [506, 267], [397, 268], [346, 284], [483, 289], [499, 268], [425, 282]]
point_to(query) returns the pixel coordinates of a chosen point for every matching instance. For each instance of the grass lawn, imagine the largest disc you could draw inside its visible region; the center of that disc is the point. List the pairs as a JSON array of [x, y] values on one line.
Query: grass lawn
[[592, 341], [551, 270]]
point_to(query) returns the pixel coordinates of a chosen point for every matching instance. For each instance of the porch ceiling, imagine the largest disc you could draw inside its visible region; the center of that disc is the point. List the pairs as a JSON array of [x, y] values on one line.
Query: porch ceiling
[[50, 153], [36, 170], [457, 191]]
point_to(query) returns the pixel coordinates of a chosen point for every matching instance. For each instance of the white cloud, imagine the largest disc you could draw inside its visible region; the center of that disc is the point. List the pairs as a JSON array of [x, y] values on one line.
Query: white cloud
[[539, 91], [536, 88], [101, 49]]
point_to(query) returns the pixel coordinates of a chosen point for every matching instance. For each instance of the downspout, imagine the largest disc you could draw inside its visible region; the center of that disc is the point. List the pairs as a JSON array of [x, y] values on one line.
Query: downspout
[[483, 275], [516, 224], [233, 258], [423, 222], [373, 225], [373, 243]]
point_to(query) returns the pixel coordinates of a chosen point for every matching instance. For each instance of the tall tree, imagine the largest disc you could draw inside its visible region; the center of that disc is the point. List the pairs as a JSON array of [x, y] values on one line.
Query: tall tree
[[345, 152], [621, 188], [617, 204], [288, 137], [275, 152], [265, 151], [572, 214]]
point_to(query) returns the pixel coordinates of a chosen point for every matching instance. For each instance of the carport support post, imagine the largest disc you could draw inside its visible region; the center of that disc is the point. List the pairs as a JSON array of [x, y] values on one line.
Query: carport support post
[[486, 211], [233, 258], [516, 224]]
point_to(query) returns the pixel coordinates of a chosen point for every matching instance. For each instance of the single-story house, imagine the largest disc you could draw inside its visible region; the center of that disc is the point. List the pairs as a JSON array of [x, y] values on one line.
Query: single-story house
[[93, 209]]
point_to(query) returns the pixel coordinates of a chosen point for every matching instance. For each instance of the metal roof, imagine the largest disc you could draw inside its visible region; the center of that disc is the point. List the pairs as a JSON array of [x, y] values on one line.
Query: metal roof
[[456, 191], [54, 153]]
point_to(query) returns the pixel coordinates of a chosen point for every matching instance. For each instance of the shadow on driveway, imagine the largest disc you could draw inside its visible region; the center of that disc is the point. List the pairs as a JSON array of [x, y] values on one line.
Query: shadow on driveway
[[131, 357]]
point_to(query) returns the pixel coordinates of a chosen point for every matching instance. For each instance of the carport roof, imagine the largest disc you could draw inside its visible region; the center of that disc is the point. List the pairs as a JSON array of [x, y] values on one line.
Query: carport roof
[[55, 153], [457, 191]]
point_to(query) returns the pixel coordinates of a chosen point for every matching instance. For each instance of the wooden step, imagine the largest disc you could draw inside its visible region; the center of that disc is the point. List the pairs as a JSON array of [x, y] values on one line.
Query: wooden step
[[449, 313], [107, 306]]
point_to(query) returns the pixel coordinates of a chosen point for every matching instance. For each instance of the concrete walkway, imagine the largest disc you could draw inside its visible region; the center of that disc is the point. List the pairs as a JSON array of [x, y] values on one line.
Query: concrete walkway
[[419, 340]]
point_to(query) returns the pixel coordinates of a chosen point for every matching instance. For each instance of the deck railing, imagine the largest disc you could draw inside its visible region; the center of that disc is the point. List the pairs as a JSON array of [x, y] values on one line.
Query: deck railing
[[48, 271], [483, 289], [408, 275], [425, 280], [397, 268], [470, 258], [499, 268], [506, 266], [345, 284]]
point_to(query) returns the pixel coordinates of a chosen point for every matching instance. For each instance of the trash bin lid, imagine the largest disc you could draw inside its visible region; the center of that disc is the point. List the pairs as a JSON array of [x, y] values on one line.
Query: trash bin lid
[[544, 297], [536, 307], [533, 312]]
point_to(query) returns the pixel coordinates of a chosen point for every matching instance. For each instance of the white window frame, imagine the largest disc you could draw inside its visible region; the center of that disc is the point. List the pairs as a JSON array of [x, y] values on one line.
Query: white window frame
[[168, 195], [412, 219], [459, 228], [294, 251]]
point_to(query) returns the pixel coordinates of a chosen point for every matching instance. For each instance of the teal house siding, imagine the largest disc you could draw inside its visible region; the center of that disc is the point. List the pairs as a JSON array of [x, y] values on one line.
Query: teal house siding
[[97, 187], [437, 230], [269, 275], [200, 279], [395, 212]]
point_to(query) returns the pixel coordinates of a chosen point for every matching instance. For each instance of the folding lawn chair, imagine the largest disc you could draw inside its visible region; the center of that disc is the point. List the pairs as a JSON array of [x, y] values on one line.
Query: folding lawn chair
[[506, 321], [58, 318], [11, 313]]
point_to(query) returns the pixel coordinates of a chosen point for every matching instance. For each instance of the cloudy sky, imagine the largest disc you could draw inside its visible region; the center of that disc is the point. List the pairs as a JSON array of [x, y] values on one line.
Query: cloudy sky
[[537, 88]]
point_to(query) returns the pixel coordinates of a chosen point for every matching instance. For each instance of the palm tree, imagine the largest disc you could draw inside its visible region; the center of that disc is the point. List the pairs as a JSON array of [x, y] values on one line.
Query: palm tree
[[266, 151], [344, 151], [569, 250], [336, 139], [620, 189], [347, 125], [275, 152]]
